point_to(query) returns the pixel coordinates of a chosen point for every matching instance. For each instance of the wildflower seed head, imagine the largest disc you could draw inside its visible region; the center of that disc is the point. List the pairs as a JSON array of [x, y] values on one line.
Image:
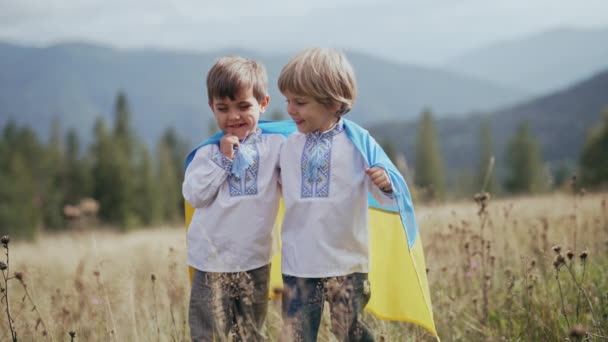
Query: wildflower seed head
[[96, 273], [557, 249], [5, 240], [466, 245], [482, 197], [584, 255], [153, 277], [559, 260], [570, 254], [3, 266], [532, 263], [578, 332], [19, 276], [72, 334]]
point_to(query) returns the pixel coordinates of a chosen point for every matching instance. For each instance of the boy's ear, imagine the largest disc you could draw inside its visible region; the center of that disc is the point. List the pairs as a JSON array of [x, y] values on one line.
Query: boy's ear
[[264, 104], [335, 107]]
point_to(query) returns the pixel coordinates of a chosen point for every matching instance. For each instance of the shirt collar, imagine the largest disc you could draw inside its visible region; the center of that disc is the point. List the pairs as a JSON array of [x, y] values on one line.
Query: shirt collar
[[337, 128], [253, 137]]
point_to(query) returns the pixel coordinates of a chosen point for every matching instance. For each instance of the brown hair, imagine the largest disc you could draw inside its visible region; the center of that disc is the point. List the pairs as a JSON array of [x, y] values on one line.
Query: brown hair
[[232, 74], [323, 74]]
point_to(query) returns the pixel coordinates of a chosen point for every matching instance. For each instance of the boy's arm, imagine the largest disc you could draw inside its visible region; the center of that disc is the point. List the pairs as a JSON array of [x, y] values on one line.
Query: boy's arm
[[379, 184], [204, 176], [278, 165]]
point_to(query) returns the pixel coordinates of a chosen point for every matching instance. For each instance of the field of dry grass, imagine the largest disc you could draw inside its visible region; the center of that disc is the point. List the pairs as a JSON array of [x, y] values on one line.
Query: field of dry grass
[[529, 269]]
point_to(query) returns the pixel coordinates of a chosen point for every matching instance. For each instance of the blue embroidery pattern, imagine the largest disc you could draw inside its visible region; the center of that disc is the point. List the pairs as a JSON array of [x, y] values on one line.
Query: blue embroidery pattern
[[315, 165], [248, 184], [221, 160]]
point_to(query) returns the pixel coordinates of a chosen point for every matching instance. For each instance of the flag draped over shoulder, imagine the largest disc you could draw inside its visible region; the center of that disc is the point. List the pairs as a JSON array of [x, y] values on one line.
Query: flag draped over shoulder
[[399, 286]]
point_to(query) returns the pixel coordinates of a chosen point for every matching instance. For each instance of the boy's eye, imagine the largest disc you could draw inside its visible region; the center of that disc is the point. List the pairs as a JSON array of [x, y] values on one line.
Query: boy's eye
[[245, 106], [297, 102]]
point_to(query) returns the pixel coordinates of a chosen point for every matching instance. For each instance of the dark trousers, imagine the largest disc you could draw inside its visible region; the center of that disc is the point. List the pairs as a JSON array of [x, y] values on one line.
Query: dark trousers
[[303, 301], [229, 305]]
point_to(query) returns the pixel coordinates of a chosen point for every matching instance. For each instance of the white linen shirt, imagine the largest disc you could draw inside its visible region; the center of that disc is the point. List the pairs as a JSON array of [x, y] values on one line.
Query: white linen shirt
[[325, 230], [233, 225]]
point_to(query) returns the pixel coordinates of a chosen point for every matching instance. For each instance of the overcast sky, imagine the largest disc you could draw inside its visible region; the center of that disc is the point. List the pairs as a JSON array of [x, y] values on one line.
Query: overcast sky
[[422, 31]]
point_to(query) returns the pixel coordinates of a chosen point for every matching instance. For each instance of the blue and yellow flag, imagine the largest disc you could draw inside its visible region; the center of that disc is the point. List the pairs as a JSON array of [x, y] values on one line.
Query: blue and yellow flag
[[399, 286]]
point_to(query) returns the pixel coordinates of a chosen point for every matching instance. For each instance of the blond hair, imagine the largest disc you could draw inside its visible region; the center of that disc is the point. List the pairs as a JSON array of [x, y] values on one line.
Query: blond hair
[[231, 75], [323, 74]]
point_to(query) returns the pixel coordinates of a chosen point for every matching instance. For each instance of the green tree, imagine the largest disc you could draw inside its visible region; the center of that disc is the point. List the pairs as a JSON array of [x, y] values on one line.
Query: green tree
[[486, 180], [112, 179], [594, 157], [19, 214], [171, 155], [524, 163], [52, 179], [122, 122], [20, 153], [78, 184], [148, 205], [123, 160], [428, 170], [168, 184]]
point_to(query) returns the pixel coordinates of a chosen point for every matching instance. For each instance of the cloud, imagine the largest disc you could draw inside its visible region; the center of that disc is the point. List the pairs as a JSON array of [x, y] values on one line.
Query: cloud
[[424, 30]]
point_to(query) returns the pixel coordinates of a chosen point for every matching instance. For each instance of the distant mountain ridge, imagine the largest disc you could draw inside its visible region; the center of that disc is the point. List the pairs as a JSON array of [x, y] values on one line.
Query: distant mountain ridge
[[560, 122], [540, 63], [77, 82]]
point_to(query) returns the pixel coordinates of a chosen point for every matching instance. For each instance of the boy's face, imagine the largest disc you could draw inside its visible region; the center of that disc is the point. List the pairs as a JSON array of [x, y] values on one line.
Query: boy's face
[[239, 116], [310, 115]]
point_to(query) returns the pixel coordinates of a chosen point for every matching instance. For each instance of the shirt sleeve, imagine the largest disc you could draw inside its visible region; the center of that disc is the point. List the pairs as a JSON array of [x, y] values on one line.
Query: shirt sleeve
[[206, 173], [383, 198], [278, 166]]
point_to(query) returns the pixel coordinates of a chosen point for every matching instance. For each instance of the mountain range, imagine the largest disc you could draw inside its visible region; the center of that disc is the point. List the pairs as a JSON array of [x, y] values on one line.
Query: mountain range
[[540, 63], [78, 82], [559, 121], [557, 81]]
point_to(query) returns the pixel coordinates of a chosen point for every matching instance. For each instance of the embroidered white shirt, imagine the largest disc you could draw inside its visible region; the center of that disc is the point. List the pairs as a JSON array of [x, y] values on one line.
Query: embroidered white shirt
[[233, 225], [325, 230]]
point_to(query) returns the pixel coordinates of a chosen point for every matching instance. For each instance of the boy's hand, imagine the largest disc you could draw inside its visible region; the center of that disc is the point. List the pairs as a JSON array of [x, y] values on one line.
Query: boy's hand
[[380, 178], [227, 145]]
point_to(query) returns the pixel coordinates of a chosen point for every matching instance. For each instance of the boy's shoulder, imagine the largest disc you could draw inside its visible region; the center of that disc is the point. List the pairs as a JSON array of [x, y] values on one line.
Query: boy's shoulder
[[208, 151], [273, 137], [295, 138]]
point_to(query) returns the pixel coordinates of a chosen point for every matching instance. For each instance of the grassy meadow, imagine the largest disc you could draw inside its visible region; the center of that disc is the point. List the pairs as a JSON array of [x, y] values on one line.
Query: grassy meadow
[[518, 269]]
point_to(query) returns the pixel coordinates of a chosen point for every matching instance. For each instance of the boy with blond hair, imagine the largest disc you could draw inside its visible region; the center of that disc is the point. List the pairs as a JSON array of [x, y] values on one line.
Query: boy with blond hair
[[326, 177], [231, 180]]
